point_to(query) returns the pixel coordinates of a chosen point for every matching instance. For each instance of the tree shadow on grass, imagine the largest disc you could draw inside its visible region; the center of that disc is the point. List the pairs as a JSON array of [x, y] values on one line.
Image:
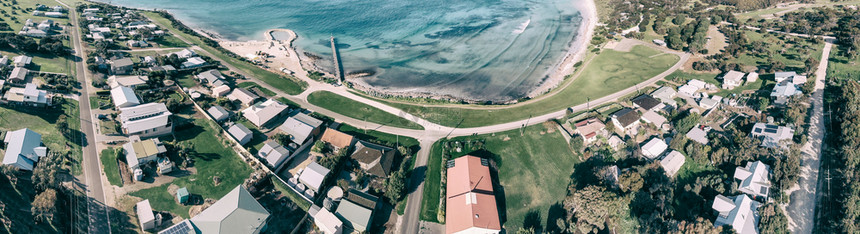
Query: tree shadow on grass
[[532, 221], [556, 211]]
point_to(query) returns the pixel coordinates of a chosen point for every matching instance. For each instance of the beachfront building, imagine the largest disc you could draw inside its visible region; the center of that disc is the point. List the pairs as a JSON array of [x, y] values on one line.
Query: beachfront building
[[262, 113], [23, 148], [193, 62], [471, 203], [211, 77], [301, 128], [146, 120], [184, 53]]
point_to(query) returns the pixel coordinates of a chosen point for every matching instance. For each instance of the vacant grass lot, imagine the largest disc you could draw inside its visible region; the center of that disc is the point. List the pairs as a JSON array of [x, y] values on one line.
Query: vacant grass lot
[[840, 65], [357, 110], [108, 158], [609, 72], [793, 55], [289, 85], [211, 159], [534, 173], [43, 122]]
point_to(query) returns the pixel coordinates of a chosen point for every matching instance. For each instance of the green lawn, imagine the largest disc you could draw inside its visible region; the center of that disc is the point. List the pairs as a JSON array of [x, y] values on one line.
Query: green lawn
[[108, 158], [249, 85], [357, 110], [171, 41], [430, 195], [187, 81], [45, 63], [42, 121], [289, 85], [212, 158], [841, 66], [378, 136], [108, 127], [534, 171], [259, 138], [609, 72], [793, 55]]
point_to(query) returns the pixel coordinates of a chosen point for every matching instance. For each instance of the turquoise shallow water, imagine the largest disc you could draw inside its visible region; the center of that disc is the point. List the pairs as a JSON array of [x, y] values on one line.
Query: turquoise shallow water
[[478, 49]]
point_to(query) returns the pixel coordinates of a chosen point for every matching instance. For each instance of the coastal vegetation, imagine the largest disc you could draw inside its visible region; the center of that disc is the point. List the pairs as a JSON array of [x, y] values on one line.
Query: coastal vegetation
[[609, 72], [359, 111]]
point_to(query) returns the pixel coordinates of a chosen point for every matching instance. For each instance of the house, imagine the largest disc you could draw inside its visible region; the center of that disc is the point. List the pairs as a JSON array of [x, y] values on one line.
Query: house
[[672, 163], [145, 215], [738, 211], [752, 77], [326, 221], [625, 119], [128, 81], [798, 80], [374, 159], [708, 103], [124, 97], [754, 179], [23, 149], [262, 113], [91, 10], [313, 175], [666, 95], [697, 83], [589, 129], [241, 133], [337, 139], [149, 60], [182, 195], [781, 76], [301, 127], [611, 174], [193, 62], [783, 91], [615, 142], [22, 60], [184, 53], [141, 152], [274, 153], [218, 113], [771, 135], [354, 215], [646, 102], [236, 212], [18, 75], [33, 32], [653, 148], [688, 90], [54, 14], [146, 120], [699, 134], [4, 61], [654, 118], [212, 77], [471, 203], [134, 43], [220, 91], [28, 96], [732, 79], [121, 66], [243, 95]]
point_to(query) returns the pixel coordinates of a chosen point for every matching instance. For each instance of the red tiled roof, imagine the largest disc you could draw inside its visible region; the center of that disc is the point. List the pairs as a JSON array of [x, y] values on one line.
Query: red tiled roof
[[470, 199]]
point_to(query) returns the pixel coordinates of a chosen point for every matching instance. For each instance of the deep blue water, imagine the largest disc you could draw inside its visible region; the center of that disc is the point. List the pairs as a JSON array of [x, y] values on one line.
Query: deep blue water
[[466, 48]]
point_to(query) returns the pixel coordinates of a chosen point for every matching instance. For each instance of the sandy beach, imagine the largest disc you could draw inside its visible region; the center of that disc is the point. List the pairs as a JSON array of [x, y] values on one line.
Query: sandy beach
[[274, 54]]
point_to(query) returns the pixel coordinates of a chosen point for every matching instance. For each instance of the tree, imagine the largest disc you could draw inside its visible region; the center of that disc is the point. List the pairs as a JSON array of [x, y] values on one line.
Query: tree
[[395, 185], [763, 103], [577, 144], [700, 226], [811, 64], [630, 181], [772, 219], [679, 19], [591, 206], [45, 206], [686, 123], [62, 124], [318, 147], [282, 139]]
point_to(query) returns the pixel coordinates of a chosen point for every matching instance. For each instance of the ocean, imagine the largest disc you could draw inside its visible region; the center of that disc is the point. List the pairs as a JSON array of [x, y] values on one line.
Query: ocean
[[494, 50]]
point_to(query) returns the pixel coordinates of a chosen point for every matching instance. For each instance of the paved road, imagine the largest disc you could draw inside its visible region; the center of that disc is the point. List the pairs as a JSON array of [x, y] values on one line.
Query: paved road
[[98, 215], [801, 207]]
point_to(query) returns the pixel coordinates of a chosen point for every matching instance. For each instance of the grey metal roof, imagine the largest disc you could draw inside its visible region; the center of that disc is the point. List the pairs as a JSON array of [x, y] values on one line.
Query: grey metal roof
[[20, 148], [354, 215], [236, 212], [218, 112]]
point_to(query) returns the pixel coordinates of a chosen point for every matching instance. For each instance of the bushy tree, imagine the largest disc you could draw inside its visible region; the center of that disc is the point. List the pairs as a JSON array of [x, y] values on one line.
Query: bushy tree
[[772, 219], [395, 185], [591, 206], [45, 206]]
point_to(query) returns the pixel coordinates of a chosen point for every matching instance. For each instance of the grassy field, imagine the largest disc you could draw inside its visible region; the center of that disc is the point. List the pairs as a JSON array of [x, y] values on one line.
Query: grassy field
[[792, 55], [534, 173], [289, 85], [171, 41], [43, 122], [609, 72], [45, 63], [108, 158], [212, 158], [187, 81], [379, 136], [840, 65], [357, 110], [249, 85], [430, 197], [24, 11]]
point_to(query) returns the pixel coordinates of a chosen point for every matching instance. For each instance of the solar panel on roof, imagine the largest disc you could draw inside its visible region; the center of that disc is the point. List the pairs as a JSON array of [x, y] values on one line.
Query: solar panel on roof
[[757, 130], [770, 130], [178, 228]]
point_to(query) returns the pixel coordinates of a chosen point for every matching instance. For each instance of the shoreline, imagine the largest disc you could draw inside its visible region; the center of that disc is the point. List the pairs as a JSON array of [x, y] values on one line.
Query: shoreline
[[298, 63]]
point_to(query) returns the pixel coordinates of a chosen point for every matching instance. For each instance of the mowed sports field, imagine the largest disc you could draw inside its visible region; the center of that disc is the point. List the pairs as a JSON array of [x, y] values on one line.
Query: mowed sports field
[[609, 72], [534, 172]]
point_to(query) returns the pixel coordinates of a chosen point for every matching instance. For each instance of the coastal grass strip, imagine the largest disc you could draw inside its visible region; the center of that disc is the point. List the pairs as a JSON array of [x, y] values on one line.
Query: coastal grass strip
[[358, 110], [432, 185], [609, 72], [108, 158]]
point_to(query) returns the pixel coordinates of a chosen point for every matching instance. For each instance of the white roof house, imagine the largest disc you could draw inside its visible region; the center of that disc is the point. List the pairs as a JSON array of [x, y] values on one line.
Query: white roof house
[[698, 134], [771, 135], [783, 91], [781, 76], [697, 83], [752, 77], [185, 53], [28, 95], [127, 81], [313, 175], [732, 79], [739, 212], [708, 103], [688, 90], [241, 133], [220, 91], [754, 179], [23, 149], [218, 113], [193, 62], [262, 113], [301, 127], [21, 60], [326, 221], [672, 162], [236, 212], [653, 148], [212, 77], [151, 119], [274, 153], [124, 97], [145, 215], [243, 95], [665, 94], [652, 117], [18, 74]]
